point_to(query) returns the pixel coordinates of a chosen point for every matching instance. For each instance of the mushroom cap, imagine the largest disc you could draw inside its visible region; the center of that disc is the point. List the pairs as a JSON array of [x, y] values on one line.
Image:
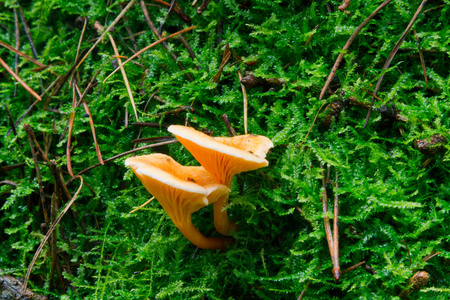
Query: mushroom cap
[[224, 157], [180, 190]]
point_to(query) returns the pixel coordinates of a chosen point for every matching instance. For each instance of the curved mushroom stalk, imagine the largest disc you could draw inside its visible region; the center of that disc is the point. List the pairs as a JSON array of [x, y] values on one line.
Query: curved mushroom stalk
[[224, 157], [198, 239], [221, 220], [180, 192]]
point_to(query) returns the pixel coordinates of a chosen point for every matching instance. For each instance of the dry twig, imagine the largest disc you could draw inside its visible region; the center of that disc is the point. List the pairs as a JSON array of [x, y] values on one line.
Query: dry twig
[[391, 57], [52, 228]]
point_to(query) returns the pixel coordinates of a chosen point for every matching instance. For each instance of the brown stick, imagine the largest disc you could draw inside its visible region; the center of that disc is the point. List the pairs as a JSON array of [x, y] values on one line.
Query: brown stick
[[203, 6], [390, 57], [11, 122], [326, 219], [53, 242], [230, 129], [347, 45], [344, 5], [302, 294], [11, 167], [336, 267], [189, 49], [353, 267]]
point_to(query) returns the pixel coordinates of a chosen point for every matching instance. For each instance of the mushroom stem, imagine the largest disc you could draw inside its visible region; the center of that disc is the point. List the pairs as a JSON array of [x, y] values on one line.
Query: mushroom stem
[[198, 239], [221, 221]]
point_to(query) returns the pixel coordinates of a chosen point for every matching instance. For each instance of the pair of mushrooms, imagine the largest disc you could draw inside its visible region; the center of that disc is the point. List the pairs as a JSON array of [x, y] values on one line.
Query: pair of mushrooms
[[183, 190]]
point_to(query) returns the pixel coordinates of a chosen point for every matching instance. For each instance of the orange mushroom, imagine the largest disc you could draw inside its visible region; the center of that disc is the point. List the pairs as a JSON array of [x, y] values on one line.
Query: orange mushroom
[[224, 157], [181, 191]]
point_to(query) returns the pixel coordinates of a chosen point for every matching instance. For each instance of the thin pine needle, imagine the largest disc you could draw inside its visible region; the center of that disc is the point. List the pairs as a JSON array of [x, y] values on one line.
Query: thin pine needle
[[22, 83], [150, 46], [106, 31], [391, 57], [22, 54], [142, 205], [124, 74], [52, 228], [244, 93], [91, 123]]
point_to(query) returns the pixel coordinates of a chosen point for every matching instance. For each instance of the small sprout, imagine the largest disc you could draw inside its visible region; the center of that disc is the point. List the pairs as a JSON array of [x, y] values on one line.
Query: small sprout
[[224, 157], [165, 179]]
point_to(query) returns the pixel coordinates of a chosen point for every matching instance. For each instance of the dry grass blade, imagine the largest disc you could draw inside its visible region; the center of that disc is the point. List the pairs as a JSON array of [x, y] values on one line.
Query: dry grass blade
[[150, 46], [106, 31], [244, 93], [391, 56], [142, 205], [124, 74], [22, 83], [52, 228]]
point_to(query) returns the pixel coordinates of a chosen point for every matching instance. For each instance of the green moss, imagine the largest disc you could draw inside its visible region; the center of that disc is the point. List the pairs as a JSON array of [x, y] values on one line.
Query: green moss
[[388, 198]]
